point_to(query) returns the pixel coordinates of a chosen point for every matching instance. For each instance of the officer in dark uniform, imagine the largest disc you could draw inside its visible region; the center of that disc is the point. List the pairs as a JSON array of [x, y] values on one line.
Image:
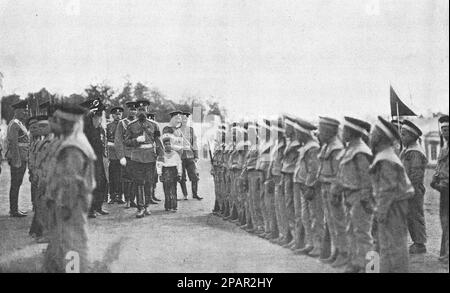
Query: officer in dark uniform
[[16, 154], [124, 155], [115, 169], [143, 138], [93, 131]]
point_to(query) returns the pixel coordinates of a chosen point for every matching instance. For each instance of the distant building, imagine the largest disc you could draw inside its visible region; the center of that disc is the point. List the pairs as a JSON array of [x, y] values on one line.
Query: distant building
[[430, 138], [431, 143]]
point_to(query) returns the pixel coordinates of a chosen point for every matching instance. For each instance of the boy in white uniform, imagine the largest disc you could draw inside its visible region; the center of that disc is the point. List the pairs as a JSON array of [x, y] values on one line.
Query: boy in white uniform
[[169, 170]]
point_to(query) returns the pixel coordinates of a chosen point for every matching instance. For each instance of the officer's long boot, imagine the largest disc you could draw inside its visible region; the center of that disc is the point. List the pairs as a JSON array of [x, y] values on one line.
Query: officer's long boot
[[112, 196], [148, 200], [130, 195], [120, 191], [148, 187], [140, 201], [133, 194], [184, 189], [194, 185], [126, 193]]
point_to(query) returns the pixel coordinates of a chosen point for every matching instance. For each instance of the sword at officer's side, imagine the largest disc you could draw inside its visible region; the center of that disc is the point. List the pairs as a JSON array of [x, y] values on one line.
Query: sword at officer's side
[[210, 155]]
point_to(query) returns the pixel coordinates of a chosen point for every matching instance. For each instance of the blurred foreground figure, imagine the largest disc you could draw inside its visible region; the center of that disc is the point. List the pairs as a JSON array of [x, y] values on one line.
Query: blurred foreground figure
[[69, 193], [353, 181], [392, 189], [40, 132], [440, 183], [415, 162], [333, 204]]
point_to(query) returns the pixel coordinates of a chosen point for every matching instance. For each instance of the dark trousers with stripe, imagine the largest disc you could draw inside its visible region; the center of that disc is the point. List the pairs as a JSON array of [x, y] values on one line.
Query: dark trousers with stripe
[[16, 181], [115, 179]]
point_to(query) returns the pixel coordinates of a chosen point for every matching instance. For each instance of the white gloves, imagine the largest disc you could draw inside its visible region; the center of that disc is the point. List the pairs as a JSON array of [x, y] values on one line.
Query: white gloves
[[123, 162], [140, 138]]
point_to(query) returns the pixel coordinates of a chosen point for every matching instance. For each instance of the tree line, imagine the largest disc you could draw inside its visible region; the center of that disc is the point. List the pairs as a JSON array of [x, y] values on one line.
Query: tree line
[[160, 104]]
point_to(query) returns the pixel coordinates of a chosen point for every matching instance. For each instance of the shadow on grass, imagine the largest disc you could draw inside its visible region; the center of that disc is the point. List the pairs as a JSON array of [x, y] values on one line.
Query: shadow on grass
[[33, 264], [207, 220]]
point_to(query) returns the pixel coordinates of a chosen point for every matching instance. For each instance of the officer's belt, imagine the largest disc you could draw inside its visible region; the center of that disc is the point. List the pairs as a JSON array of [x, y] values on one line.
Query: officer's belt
[[23, 144], [146, 146]]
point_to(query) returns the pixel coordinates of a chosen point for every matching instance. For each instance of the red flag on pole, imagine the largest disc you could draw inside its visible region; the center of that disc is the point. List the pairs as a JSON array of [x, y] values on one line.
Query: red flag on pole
[[398, 108]]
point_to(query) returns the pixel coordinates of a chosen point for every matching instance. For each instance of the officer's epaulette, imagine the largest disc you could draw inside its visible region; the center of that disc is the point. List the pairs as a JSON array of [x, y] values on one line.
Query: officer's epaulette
[[133, 121], [152, 121]]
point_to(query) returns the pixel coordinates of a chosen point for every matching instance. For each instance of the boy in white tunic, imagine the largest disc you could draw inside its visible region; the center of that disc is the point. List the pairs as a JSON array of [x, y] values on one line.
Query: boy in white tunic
[[169, 170]]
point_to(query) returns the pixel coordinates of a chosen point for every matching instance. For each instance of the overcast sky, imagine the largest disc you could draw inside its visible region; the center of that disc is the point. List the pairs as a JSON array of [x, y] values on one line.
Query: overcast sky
[[315, 57]]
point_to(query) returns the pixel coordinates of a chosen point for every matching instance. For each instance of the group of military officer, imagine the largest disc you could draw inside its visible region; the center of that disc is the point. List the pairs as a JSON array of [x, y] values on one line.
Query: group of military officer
[[336, 191], [134, 147]]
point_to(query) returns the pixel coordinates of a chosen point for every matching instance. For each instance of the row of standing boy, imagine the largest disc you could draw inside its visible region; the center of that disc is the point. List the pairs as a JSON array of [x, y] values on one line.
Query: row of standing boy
[[331, 196]]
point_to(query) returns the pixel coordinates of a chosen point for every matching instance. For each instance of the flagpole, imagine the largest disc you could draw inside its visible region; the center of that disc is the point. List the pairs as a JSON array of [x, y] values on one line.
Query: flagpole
[[398, 126]]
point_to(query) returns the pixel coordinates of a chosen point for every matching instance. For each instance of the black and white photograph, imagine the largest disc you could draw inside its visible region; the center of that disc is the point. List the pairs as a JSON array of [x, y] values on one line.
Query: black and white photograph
[[224, 137]]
